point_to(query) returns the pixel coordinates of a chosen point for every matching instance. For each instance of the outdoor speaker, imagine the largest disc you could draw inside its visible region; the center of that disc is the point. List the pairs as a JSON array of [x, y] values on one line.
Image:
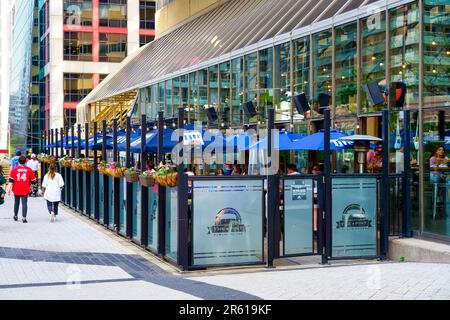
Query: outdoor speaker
[[374, 94], [211, 114], [324, 102], [301, 103], [400, 93], [249, 109]]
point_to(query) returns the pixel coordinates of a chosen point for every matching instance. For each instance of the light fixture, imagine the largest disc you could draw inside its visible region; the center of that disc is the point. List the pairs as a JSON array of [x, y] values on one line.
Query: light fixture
[[291, 125], [404, 66], [343, 77], [448, 52], [400, 72], [324, 69], [155, 127], [174, 125], [165, 127], [374, 58], [222, 124], [305, 82], [434, 71], [433, 43], [381, 64]]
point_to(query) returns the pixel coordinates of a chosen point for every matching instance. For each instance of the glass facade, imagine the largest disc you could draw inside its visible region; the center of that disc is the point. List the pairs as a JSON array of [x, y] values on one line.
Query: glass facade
[[147, 14], [78, 46], [21, 63], [113, 47], [144, 39], [113, 13], [78, 12], [332, 65], [77, 86]]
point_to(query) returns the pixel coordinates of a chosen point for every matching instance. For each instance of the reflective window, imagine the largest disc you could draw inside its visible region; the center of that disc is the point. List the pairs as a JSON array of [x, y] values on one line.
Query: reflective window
[[404, 52], [184, 93], [113, 13], [301, 66], [251, 80], [437, 53], [161, 95], [193, 95], [224, 93], [202, 95], [436, 127], [345, 69], [373, 57], [265, 80], [168, 110], [213, 86], [77, 86], [147, 14], [78, 12], [102, 77], [322, 61], [70, 117], [237, 90], [282, 84], [154, 102], [113, 47], [144, 39], [78, 46]]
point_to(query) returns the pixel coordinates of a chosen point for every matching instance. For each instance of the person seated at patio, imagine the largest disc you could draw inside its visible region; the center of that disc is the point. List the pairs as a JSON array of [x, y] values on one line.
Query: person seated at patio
[[292, 169], [375, 159], [219, 172], [150, 166], [236, 170], [228, 169], [438, 160]]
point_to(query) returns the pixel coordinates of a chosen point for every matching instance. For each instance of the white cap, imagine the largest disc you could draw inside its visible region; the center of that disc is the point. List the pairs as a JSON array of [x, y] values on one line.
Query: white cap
[[33, 155]]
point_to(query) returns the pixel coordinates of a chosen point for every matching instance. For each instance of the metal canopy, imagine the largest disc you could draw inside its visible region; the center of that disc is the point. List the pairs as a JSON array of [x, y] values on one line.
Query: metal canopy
[[234, 25]]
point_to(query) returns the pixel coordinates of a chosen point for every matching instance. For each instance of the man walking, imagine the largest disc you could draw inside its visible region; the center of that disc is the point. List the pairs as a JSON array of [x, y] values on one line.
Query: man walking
[[33, 164], [21, 177]]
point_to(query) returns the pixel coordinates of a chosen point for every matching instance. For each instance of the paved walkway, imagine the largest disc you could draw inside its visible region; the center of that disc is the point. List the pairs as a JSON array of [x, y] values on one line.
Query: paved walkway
[[75, 258]]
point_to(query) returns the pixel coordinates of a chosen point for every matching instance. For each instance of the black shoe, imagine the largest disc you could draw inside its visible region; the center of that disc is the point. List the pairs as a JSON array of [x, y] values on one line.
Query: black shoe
[[24, 220], [15, 218]]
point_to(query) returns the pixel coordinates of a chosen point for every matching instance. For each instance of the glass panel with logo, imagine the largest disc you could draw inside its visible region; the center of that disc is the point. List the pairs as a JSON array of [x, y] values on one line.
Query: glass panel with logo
[[373, 63], [346, 65], [436, 160], [436, 53], [78, 12]]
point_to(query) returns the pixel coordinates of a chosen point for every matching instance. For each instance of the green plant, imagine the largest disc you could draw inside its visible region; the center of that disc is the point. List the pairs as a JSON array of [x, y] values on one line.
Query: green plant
[[402, 259]]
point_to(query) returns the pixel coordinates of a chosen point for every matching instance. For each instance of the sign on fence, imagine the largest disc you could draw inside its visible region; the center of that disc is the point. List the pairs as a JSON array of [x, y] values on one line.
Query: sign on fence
[[227, 222], [354, 222]]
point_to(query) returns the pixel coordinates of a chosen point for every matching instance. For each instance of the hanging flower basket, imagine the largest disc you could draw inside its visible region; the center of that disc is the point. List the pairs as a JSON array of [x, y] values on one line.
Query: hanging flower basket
[[167, 176], [146, 180], [131, 175], [65, 162], [87, 165], [102, 166], [77, 164]]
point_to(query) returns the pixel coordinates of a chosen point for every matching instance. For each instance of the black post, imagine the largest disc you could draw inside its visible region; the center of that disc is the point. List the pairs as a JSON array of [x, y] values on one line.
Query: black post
[[68, 181], [105, 179], [161, 191], [116, 181], [384, 192], [129, 200], [183, 215], [96, 178], [407, 181], [328, 191], [272, 203], [144, 190], [52, 152], [41, 142], [73, 176], [62, 170], [80, 186], [55, 143], [88, 208]]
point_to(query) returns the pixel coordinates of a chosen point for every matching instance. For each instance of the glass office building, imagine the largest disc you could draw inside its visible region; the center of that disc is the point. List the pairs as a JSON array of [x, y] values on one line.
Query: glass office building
[[268, 51], [20, 79]]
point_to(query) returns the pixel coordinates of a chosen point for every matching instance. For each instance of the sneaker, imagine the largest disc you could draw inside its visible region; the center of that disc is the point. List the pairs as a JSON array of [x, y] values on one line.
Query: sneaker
[[24, 220], [52, 217], [15, 218]]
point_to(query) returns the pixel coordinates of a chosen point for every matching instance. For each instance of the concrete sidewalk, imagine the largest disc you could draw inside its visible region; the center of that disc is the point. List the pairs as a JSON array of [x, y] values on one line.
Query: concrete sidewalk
[[75, 258]]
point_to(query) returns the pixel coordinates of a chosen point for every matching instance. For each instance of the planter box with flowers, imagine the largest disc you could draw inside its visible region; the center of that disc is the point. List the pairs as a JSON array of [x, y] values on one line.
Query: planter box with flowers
[[87, 165], [115, 170], [131, 175], [77, 164], [65, 162], [167, 176], [147, 179], [101, 167], [45, 158]]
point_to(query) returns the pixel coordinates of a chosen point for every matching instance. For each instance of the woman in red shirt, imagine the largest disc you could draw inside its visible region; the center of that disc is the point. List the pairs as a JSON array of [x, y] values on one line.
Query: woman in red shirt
[[21, 178]]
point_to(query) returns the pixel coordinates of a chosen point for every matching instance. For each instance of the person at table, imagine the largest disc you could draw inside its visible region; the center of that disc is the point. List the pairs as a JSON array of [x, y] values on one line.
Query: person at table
[[292, 169], [375, 159], [438, 159]]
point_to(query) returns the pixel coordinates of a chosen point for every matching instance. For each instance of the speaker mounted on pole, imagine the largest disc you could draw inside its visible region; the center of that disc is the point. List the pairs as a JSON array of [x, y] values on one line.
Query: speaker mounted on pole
[[324, 101], [249, 109], [374, 94], [301, 103]]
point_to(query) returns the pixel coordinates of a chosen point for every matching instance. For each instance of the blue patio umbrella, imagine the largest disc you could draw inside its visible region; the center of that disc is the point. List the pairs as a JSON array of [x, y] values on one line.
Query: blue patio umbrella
[[316, 141], [122, 140], [75, 143], [286, 141]]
